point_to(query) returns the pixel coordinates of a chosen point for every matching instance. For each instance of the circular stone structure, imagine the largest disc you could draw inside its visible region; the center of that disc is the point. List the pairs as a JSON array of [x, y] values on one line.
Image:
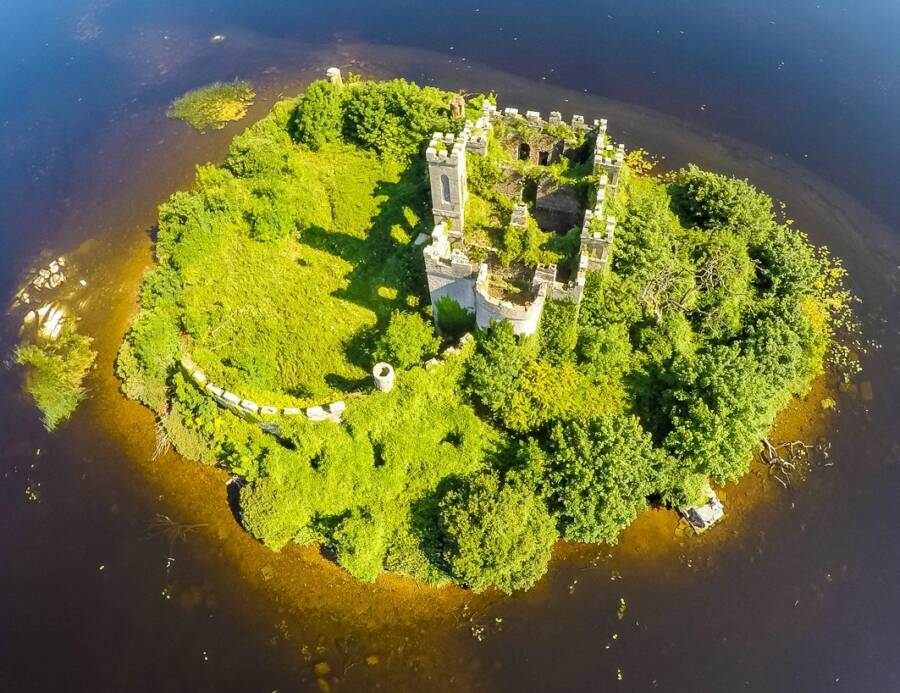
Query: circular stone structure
[[383, 374]]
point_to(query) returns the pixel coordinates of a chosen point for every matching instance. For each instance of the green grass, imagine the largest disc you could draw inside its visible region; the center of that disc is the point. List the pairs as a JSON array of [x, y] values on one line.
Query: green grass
[[296, 316], [388, 458], [212, 106]]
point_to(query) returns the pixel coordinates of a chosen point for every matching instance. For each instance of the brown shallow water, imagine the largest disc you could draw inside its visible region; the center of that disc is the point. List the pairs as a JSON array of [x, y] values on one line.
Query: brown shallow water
[[201, 605]]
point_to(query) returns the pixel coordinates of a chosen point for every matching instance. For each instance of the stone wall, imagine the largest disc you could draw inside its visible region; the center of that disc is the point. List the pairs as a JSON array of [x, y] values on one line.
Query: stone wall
[[449, 271], [251, 409], [524, 318]]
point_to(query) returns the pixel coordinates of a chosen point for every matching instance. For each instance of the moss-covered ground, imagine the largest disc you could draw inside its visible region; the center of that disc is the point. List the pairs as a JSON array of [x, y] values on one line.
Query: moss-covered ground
[[212, 106]]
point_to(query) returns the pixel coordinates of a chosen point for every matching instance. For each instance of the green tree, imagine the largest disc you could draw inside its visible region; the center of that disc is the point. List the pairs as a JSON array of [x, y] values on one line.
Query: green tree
[[395, 118], [787, 263], [408, 340], [494, 368], [722, 406], [714, 201], [361, 544], [542, 392], [495, 535], [318, 119], [724, 276], [599, 475]]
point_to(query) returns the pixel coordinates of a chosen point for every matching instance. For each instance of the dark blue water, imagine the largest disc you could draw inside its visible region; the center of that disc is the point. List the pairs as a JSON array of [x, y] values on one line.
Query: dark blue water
[[806, 603]]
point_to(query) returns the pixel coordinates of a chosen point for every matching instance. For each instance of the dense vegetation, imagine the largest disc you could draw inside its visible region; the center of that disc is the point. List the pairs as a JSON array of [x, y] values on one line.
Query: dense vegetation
[[212, 106], [55, 372], [291, 269]]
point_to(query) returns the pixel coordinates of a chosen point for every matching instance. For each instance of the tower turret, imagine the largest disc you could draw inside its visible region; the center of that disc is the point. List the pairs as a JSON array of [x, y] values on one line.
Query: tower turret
[[446, 157]]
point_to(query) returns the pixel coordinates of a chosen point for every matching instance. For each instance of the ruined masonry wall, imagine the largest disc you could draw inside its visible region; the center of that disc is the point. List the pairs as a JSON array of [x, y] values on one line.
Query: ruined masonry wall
[[229, 400], [450, 273], [524, 319]]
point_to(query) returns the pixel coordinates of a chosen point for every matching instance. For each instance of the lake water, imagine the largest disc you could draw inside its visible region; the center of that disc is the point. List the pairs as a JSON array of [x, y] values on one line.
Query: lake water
[[119, 571]]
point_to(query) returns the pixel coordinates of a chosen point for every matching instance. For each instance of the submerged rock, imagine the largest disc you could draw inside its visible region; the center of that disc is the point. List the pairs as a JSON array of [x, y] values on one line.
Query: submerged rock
[[702, 517]]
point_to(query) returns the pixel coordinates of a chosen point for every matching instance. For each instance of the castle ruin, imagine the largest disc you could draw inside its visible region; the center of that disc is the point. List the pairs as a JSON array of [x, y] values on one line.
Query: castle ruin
[[477, 286]]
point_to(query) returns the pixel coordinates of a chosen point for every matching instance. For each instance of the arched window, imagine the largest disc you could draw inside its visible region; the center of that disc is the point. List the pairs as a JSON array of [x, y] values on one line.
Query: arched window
[[445, 188], [524, 151]]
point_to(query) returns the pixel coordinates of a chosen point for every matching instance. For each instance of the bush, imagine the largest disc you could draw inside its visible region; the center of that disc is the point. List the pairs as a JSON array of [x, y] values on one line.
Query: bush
[[318, 118], [55, 373], [496, 535], [408, 341], [452, 319]]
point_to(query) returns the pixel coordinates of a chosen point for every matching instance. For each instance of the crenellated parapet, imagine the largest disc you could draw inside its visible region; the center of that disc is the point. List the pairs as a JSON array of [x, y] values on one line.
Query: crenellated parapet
[[610, 160], [524, 317], [476, 135]]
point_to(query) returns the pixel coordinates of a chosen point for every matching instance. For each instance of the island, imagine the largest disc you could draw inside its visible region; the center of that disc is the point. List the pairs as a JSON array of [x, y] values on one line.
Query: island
[[435, 336]]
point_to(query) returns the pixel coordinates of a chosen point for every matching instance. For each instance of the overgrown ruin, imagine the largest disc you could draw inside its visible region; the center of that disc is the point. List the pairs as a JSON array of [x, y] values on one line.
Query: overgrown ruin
[[469, 270]]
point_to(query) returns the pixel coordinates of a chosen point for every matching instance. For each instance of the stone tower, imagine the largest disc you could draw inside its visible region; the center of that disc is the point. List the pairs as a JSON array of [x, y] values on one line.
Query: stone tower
[[446, 158]]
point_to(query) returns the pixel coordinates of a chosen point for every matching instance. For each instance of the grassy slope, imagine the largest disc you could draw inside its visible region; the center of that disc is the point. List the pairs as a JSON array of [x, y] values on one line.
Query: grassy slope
[[305, 304]]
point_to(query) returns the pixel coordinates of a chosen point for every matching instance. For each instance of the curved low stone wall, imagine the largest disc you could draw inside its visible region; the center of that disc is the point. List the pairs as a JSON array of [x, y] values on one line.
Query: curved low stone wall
[[229, 400], [329, 412]]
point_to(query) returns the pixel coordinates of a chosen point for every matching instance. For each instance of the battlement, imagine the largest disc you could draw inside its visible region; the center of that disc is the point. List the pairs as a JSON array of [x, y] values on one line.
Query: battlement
[[476, 135], [446, 149], [592, 221], [610, 160], [524, 317]]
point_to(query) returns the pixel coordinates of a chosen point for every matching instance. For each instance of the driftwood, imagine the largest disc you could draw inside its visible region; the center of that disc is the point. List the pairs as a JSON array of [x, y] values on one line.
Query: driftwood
[[782, 458]]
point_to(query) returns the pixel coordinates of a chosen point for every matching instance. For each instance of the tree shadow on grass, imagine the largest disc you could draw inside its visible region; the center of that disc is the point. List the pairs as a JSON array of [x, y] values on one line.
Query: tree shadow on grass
[[385, 270], [347, 385]]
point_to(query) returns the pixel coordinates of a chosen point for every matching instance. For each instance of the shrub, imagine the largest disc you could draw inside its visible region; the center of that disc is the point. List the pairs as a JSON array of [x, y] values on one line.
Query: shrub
[[408, 340], [318, 118], [452, 319], [496, 535]]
